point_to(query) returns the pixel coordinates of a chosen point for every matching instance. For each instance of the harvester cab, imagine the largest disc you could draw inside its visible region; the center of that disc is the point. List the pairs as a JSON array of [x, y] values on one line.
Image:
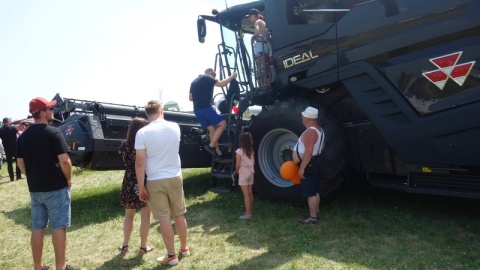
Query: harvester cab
[[396, 83]]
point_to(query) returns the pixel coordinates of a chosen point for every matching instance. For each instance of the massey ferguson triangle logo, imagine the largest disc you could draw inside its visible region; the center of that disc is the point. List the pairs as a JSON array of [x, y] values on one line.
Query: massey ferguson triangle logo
[[448, 68], [69, 130]]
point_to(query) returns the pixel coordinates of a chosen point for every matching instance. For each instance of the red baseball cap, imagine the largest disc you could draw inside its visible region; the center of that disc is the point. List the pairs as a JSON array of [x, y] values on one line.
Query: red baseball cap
[[39, 103]]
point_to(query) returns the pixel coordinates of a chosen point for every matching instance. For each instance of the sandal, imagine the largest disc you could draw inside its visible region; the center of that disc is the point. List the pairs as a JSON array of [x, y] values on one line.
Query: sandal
[[123, 248], [146, 249]]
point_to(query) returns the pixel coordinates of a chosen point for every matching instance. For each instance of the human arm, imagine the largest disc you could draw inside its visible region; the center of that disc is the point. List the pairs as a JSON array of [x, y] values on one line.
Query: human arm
[[259, 26], [66, 166], [226, 81], [237, 162], [190, 97], [309, 138], [21, 165], [140, 173]]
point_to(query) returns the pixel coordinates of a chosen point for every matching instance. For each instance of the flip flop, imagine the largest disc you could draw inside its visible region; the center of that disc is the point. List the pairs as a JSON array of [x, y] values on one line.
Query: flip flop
[[123, 248], [146, 249]]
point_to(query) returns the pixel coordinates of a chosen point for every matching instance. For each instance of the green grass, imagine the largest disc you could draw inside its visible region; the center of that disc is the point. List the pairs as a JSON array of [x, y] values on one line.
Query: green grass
[[364, 228]]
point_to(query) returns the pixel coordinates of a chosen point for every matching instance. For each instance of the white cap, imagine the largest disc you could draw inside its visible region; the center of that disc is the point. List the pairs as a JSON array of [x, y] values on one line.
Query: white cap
[[310, 112]]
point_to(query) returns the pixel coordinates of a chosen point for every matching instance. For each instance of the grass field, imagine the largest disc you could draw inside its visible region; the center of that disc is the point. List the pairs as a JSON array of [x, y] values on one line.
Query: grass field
[[364, 228]]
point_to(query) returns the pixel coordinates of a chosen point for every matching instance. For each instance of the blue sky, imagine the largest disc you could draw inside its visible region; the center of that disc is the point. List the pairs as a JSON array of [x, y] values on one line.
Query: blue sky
[[118, 51]]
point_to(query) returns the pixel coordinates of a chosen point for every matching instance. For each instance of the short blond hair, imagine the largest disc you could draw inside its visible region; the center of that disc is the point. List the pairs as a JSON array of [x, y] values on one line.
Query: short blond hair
[[208, 70], [152, 107]]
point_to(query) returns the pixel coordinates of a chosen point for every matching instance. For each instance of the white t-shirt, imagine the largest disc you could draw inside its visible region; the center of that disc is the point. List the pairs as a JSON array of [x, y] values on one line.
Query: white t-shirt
[[246, 163], [161, 141]]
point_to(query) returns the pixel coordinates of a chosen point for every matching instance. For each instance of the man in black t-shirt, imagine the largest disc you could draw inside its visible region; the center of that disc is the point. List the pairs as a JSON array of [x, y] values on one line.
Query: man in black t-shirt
[[201, 93], [8, 134], [43, 157]]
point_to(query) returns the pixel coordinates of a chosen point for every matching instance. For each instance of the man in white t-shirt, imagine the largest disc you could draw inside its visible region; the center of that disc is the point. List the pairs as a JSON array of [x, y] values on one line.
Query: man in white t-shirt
[[157, 146]]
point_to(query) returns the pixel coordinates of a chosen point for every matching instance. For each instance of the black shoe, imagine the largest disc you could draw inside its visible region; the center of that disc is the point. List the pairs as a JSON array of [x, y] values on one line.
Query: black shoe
[[309, 220], [211, 150]]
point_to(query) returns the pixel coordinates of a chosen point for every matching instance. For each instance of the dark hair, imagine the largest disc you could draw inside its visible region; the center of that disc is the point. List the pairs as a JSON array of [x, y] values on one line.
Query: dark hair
[[136, 124], [36, 115], [246, 143]]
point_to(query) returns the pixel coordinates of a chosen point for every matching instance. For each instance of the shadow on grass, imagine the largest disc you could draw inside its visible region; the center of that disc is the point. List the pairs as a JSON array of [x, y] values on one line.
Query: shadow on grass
[[94, 206], [363, 227], [119, 262], [90, 207]]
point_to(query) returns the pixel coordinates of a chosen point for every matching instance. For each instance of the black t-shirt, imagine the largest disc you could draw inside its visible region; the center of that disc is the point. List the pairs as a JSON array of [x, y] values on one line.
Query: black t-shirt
[[202, 91], [39, 146], [8, 134]]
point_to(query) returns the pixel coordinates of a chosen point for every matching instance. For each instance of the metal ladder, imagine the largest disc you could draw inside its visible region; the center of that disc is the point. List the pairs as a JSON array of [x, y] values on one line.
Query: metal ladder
[[223, 167]]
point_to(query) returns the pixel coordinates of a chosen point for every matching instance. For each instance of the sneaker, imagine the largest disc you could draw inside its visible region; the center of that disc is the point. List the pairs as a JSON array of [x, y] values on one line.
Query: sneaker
[[185, 252], [243, 217], [166, 260], [45, 267], [309, 220], [211, 150], [69, 267]]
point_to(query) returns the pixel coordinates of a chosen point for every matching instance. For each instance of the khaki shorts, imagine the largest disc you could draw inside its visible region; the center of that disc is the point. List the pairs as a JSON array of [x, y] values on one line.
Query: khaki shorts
[[166, 198]]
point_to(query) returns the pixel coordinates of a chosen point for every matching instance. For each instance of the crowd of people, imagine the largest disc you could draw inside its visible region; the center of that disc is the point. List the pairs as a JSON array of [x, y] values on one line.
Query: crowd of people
[[152, 182]]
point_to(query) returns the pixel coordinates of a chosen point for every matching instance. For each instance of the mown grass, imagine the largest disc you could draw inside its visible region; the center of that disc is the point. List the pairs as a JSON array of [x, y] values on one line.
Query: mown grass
[[364, 228]]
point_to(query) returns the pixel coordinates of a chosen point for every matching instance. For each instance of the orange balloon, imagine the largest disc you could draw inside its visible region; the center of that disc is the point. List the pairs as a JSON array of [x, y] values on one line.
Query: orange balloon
[[296, 180], [289, 170]]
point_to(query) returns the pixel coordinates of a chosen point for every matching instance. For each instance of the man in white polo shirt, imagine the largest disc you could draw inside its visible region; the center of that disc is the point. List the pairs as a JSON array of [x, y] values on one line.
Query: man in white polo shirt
[[157, 146]]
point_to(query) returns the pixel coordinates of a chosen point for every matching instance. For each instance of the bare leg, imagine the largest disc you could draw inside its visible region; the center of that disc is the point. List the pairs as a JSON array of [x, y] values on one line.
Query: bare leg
[[144, 225], [181, 226], [247, 200], [167, 235], [216, 134], [36, 242], [313, 203], [211, 130], [318, 205], [250, 195], [128, 225], [59, 239]]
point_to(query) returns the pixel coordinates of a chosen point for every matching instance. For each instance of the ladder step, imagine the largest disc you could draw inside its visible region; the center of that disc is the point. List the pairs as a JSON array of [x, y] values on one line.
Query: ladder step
[[221, 189], [223, 160], [221, 175]]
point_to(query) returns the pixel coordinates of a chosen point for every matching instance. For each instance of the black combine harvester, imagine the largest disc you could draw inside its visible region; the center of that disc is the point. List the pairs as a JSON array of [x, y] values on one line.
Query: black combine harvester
[[397, 84]]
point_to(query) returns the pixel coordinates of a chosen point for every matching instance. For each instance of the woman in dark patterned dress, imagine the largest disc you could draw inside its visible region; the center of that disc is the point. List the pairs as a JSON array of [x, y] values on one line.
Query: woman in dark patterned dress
[[129, 194]]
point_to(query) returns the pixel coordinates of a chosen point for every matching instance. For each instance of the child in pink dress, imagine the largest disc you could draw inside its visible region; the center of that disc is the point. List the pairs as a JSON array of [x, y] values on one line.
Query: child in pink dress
[[245, 160]]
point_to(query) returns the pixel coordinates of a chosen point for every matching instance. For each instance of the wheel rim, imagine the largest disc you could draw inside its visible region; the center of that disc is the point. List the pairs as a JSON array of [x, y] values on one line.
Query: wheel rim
[[275, 148]]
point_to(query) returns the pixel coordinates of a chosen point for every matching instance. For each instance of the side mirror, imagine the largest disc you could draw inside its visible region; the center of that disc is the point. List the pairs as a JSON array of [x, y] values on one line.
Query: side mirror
[[201, 30]]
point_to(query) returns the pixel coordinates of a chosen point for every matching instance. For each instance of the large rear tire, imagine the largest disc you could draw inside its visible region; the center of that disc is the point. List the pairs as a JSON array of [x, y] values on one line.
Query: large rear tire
[[275, 131]]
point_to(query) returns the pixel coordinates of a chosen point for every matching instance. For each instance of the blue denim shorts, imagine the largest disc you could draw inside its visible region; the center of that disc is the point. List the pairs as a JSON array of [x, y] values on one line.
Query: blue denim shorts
[[208, 117], [53, 206]]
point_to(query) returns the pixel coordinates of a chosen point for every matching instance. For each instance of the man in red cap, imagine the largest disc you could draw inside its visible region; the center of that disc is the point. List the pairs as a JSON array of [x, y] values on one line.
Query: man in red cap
[[8, 134], [43, 157]]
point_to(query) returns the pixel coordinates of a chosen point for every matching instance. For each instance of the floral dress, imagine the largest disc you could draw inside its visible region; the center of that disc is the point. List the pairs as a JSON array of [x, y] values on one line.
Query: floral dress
[[129, 194]]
